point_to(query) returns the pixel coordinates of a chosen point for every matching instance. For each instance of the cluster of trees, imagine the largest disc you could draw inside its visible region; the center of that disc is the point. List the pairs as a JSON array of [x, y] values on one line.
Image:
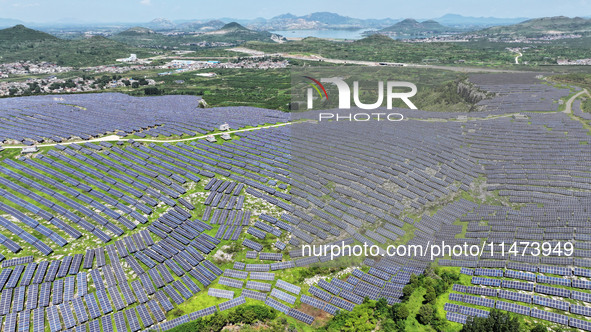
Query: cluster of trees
[[65, 85], [497, 321], [374, 315], [369, 316], [245, 314], [435, 282]]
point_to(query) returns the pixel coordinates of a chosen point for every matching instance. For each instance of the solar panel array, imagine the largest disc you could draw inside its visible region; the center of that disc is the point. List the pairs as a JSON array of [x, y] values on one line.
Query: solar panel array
[[107, 190]]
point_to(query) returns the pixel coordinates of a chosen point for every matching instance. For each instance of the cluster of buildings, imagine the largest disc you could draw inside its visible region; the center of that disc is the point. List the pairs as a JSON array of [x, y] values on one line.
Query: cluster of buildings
[[579, 62], [534, 40], [30, 68], [503, 39], [252, 63], [209, 44], [111, 69], [53, 84]]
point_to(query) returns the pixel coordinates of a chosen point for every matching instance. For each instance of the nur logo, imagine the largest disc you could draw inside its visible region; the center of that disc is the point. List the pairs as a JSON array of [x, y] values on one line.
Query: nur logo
[[344, 92]]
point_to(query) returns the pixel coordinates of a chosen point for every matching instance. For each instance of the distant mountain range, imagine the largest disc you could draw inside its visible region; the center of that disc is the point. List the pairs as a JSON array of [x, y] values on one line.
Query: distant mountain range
[[212, 31], [328, 20], [541, 27], [412, 27], [459, 21], [288, 21], [20, 43], [8, 22]]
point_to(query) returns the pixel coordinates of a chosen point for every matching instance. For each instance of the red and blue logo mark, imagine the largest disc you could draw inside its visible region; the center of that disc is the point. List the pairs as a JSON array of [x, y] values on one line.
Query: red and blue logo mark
[[316, 87]]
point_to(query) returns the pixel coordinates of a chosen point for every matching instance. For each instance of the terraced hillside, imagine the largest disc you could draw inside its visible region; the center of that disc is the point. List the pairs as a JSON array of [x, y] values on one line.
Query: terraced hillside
[[157, 227]]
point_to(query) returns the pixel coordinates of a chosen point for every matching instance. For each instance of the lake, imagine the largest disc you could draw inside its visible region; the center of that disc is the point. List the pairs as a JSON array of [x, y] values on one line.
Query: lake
[[326, 34]]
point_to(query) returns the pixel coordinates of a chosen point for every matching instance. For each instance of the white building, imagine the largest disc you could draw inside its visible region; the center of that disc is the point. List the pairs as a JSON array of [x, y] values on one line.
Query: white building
[[132, 58], [30, 149]]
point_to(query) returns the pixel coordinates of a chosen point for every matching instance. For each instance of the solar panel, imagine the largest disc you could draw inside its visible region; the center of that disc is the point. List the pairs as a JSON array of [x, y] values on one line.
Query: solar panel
[[53, 318], [106, 323], [80, 310], [82, 283], [69, 287], [15, 276], [174, 295], [549, 316], [288, 287], [342, 303], [183, 290], [313, 302], [132, 319], [479, 301], [455, 317], [323, 295], [68, 315], [283, 296], [24, 321], [139, 291], [553, 291], [277, 305], [19, 299], [104, 302], [516, 308], [232, 303], [202, 313], [230, 282], [119, 317], [301, 316], [156, 310], [39, 320], [44, 294], [347, 295], [116, 298], [28, 275], [93, 307], [93, 325], [254, 295], [235, 274], [40, 274], [580, 324], [220, 293], [32, 296]]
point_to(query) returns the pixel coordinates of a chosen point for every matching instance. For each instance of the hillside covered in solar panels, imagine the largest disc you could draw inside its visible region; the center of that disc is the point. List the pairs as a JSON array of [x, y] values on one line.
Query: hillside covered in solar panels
[[158, 227]]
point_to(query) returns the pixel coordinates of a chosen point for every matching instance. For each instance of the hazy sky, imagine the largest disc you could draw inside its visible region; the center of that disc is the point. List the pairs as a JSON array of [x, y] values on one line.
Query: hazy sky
[[146, 10]]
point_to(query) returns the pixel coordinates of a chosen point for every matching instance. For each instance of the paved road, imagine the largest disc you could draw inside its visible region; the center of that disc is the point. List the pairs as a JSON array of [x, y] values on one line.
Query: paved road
[[569, 104], [371, 63], [115, 138], [517, 58]]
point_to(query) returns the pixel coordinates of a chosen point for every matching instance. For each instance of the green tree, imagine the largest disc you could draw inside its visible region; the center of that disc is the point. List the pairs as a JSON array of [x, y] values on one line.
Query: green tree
[[496, 321], [152, 91], [400, 311], [407, 291], [430, 295], [539, 328], [425, 314]]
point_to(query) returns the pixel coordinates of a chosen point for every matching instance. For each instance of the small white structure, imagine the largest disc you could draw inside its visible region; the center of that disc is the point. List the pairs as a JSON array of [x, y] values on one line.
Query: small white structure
[[463, 118], [520, 116], [132, 58], [30, 149], [211, 139], [226, 136], [224, 127], [206, 74]]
